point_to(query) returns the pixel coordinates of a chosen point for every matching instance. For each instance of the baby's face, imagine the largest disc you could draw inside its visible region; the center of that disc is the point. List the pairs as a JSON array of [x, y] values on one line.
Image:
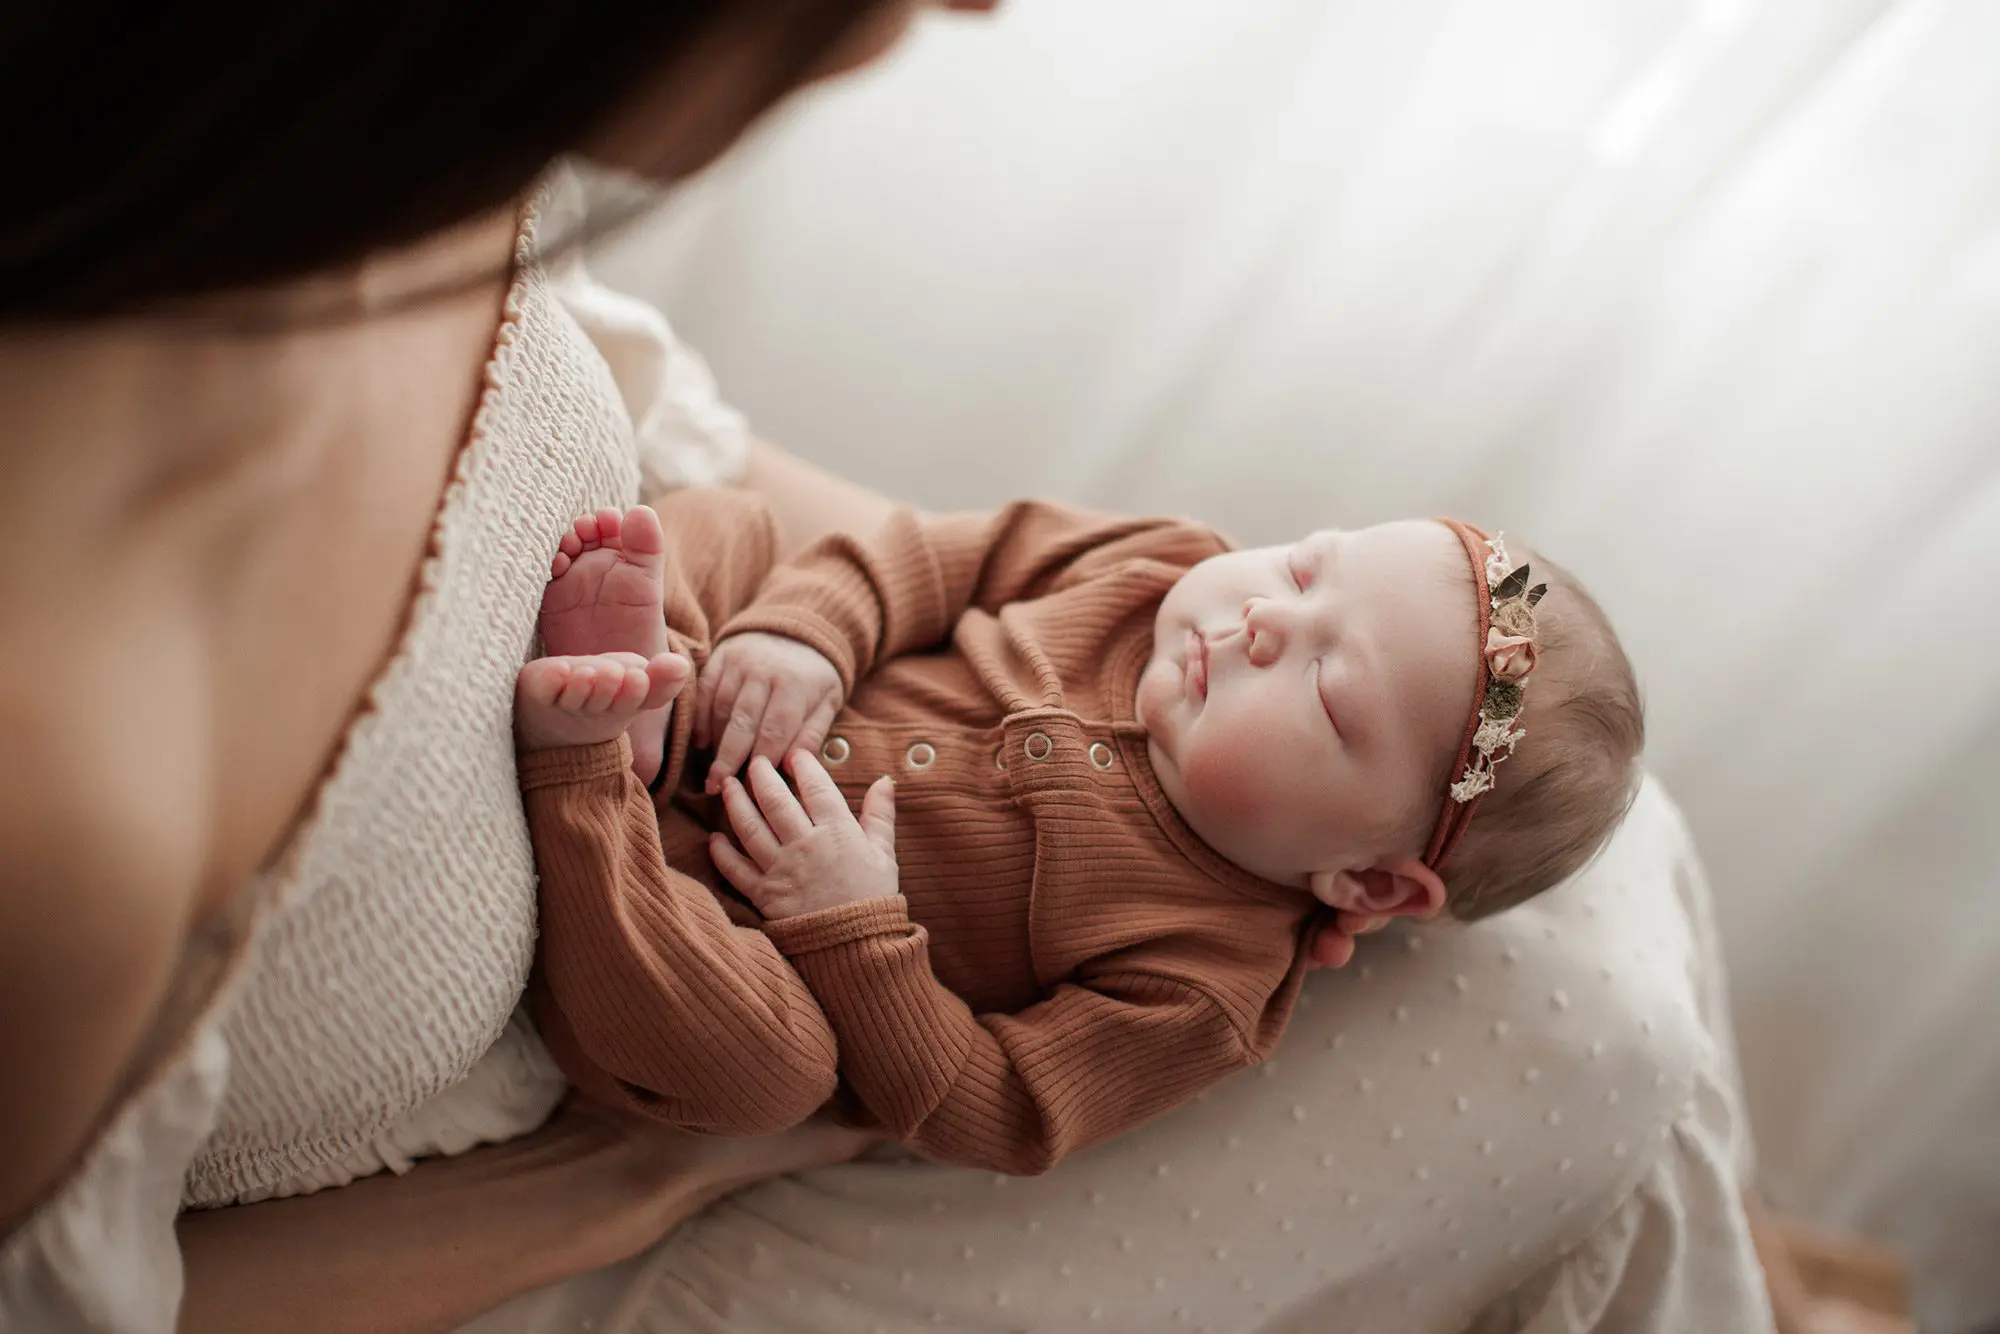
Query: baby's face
[[1302, 700]]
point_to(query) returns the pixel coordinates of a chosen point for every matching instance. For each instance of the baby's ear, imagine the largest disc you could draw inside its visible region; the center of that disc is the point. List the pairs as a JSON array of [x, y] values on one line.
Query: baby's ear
[[1400, 887]]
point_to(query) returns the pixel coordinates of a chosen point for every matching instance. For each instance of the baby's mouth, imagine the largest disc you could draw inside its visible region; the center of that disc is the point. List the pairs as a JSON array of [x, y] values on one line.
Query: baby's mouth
[[1197, 664]]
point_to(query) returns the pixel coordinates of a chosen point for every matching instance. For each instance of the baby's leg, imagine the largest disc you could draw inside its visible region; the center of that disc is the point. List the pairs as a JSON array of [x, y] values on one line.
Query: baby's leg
[[580, 701], [608, 580]]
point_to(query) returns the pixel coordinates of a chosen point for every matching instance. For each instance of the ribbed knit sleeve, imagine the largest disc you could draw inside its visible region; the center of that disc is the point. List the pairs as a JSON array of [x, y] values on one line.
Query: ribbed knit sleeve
[[653, 997], [861, 602], [721, 545], [1005, 1092]]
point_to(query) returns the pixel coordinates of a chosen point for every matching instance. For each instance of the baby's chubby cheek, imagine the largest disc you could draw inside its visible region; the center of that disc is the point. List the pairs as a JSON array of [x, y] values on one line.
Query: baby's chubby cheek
[[1233, 783]]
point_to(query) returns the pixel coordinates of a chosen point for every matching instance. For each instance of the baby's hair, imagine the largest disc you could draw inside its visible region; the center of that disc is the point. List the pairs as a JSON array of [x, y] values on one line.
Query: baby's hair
[[1575, 774]]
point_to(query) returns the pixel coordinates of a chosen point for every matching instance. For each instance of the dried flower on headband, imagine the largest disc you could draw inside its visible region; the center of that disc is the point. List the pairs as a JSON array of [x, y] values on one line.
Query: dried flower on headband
[[1510, 653]]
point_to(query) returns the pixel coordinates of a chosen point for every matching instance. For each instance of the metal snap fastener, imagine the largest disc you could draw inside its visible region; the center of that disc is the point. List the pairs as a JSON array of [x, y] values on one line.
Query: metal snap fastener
[[1038, 746], [920, 756], [999, 757], [1100, 755], [836, 750]]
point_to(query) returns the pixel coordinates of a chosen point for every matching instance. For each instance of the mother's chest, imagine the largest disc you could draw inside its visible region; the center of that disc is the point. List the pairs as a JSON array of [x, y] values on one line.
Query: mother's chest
[[406, 914]]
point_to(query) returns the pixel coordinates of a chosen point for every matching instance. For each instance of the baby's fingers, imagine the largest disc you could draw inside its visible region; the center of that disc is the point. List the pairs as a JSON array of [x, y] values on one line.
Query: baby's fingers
[[705, 689], [1361, 924], [812, 733], [817, 789], [783, 717], [748, 822], [737, 869], [780, 809], [732, 748], [715, 694], [1329, 947], [878, 814]]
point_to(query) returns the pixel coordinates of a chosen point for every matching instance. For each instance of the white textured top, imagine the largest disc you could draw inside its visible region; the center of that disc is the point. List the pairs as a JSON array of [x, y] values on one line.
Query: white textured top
[[346, 1027], [1529, 1125]]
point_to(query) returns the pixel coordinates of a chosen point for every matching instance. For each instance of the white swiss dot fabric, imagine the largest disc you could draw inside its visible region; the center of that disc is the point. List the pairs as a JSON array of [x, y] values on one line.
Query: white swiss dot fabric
[[1530, 1125]]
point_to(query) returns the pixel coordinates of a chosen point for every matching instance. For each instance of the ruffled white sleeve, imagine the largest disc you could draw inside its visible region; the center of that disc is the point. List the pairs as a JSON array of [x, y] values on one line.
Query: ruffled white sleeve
[[685, 434], [101, 1254]]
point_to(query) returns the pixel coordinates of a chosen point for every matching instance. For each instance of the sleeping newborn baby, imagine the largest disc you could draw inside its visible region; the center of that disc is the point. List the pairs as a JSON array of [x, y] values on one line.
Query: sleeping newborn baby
[[1067, 795]]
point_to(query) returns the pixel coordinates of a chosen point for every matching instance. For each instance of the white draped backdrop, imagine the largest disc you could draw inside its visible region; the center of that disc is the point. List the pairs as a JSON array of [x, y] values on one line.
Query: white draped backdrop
[[1701, 296]]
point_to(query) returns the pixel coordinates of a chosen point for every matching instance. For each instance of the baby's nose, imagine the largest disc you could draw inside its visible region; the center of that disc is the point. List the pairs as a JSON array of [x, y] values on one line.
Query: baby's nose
[[1265, 628]]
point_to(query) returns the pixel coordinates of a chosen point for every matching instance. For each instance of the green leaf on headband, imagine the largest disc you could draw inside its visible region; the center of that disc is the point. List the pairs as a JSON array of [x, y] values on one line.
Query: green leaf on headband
[[1503, 699], [1512, 586], [1536, 594]]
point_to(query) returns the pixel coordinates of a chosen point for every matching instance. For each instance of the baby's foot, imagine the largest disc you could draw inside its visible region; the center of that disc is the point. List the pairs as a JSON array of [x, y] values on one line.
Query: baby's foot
[[579, 701], [607, 583]]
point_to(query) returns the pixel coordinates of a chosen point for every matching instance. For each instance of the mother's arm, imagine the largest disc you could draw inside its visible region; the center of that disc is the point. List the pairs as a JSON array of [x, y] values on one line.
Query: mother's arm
[[809, 501], [457, 1237]]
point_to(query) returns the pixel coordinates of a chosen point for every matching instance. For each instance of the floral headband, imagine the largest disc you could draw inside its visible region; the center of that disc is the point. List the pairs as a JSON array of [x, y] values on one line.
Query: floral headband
[[1507, 655]]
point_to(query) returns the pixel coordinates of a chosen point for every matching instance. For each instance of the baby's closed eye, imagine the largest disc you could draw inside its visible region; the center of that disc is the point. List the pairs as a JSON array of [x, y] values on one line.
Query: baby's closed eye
[[1323, 691]]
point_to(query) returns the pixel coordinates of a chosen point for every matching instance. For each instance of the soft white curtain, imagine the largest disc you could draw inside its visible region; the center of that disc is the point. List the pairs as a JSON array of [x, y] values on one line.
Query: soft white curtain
[[1702, 296]]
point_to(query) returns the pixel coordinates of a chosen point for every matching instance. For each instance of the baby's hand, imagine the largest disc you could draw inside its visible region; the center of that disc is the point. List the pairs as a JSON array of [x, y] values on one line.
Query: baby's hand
[[763, 696], [804, 857], [1332, 943]]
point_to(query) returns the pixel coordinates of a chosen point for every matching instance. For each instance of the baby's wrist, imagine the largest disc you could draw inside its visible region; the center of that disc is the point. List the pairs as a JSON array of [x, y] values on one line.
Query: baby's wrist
[[838, 925], [831, 900]]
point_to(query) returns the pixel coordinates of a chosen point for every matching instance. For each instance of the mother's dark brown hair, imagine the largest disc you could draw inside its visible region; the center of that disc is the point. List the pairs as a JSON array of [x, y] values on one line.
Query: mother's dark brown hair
[[161, 151]]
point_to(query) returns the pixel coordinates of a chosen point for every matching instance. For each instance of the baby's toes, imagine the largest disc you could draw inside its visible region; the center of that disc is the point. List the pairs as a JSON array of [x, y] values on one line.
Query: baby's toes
[[581, 685], [585, 533], [609, 522], [629, 691], [640, 533], [610, 672], [542, 681], [598, 679], [607, 678], [665, 674]]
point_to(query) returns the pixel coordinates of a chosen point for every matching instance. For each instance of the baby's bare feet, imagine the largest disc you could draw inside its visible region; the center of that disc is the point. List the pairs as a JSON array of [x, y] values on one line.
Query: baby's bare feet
[[607, 583], [579, 701]]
